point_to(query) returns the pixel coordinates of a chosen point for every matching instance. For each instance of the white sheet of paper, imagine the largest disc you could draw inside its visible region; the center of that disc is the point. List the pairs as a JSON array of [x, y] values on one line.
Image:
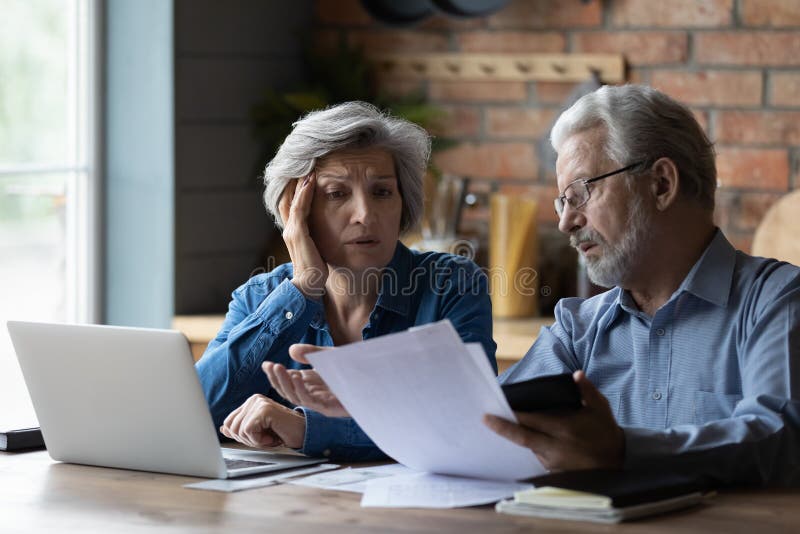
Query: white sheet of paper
[[423, 490], [229, 485], [421, 396], [350, 479]]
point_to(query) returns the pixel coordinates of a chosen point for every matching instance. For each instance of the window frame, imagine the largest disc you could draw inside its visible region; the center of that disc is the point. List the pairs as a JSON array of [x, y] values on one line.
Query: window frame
[[83, 226]]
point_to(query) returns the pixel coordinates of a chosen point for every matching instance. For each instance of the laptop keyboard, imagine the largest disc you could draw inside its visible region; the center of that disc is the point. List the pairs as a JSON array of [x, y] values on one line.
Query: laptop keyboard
[[232, 463]]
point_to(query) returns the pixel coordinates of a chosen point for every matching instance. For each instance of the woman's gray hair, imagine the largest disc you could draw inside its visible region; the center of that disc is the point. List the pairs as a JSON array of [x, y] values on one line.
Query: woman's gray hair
[[643, 125], [352, 125]]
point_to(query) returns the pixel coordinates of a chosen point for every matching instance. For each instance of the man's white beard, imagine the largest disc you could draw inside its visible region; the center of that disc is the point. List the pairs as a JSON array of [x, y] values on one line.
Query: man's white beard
[[614, 264]]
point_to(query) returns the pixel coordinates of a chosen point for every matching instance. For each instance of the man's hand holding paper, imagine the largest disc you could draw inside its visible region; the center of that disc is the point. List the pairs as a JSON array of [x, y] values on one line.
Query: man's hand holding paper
[[587, 438]]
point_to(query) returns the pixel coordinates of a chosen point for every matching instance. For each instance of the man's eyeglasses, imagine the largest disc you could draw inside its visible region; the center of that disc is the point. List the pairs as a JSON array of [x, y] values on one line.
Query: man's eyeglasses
[[577, 193]]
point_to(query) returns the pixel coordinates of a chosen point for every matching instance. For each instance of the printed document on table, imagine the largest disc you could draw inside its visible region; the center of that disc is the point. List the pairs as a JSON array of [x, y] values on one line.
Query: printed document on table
[[423, 490], [421, 396], [351, 479], [229, 485]]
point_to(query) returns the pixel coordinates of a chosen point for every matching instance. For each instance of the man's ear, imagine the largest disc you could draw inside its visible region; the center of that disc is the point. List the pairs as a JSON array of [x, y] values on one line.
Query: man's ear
[[666, 183]]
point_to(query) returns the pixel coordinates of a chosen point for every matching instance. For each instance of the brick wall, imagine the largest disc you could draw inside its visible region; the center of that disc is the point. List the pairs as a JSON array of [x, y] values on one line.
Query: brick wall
[[736, 63]]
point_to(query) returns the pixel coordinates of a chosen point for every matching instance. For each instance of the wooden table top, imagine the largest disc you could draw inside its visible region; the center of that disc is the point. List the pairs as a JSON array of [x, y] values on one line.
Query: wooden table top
[[37, 495]]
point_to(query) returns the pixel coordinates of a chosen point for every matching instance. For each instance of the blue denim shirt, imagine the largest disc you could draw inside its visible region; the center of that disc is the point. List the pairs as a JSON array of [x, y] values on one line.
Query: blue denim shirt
[[710, 383], [268, 314]]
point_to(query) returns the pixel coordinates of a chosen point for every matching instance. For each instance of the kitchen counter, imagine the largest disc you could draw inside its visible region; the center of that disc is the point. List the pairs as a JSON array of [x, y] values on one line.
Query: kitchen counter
[[513, 336]]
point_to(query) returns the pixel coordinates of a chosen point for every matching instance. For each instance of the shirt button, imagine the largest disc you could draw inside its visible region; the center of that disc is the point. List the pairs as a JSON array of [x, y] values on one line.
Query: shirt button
[[660, 332], [289, 315], [326, 452], [657, 395]]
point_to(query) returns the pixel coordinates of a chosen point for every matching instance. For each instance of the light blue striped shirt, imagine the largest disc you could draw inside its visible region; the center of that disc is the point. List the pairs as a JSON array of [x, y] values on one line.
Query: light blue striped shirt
[[710, 383]]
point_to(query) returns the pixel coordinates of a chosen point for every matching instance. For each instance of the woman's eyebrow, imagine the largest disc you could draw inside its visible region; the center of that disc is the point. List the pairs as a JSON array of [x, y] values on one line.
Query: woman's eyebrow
[[345, 177], [332, 175]]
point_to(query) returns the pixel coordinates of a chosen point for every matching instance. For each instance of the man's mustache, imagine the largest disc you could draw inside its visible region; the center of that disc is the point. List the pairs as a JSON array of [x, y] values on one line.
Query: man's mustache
[[582, 236]]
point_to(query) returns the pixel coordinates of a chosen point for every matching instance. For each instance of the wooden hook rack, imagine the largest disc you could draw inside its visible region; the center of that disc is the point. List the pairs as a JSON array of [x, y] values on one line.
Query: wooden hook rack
[[610, 68]]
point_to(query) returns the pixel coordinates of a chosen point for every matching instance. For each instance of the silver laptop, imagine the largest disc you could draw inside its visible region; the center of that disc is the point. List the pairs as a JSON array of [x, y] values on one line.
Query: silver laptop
[[128, 398]]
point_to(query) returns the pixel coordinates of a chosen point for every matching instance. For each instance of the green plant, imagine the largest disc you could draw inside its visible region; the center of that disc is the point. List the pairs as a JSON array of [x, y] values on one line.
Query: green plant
[[339, 76]]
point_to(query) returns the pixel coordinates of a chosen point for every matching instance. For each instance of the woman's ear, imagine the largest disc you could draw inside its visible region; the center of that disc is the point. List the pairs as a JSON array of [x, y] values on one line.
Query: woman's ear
[[666, 183], [285, 202]]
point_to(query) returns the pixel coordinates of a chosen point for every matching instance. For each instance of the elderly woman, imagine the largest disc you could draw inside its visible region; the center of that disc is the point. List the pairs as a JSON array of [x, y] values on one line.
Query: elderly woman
[[344, 185]]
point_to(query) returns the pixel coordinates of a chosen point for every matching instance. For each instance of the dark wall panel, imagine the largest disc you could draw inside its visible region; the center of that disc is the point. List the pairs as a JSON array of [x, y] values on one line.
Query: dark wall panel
[[222, 221], [206, 283], [227, 53], [216, 156], [241, 27], [225, 89]]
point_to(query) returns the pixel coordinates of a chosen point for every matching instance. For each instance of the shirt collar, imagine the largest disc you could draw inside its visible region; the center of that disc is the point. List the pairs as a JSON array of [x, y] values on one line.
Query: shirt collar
[[711, 277], [391, 296], [626, 303], [396, 274]]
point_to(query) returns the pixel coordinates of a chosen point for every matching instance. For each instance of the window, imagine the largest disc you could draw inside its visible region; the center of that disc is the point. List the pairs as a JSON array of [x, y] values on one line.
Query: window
[[48, 183]]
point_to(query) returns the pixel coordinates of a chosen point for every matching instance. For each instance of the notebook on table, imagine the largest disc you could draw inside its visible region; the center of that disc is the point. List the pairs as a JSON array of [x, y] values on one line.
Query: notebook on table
[[21, 439], [606, 496], [128, 398]]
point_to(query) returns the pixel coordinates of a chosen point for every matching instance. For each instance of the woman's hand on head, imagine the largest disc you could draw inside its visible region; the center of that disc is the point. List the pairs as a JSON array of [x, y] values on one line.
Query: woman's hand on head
[[310, 270], [304, 388], [263, 423]]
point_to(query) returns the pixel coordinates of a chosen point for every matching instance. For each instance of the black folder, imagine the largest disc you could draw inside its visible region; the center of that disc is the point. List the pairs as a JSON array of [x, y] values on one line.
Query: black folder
[[26, 438]]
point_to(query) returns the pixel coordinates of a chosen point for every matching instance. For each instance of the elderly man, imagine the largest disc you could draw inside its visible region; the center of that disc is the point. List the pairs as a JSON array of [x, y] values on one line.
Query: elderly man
[[692, 361]]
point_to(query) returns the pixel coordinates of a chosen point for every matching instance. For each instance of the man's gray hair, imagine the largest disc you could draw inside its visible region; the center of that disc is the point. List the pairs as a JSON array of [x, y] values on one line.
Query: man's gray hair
[[643, 125], [352, 125]]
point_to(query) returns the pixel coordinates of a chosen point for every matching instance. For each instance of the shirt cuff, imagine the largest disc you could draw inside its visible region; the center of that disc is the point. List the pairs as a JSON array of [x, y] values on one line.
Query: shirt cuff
[[321, 431], [337, 437]]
